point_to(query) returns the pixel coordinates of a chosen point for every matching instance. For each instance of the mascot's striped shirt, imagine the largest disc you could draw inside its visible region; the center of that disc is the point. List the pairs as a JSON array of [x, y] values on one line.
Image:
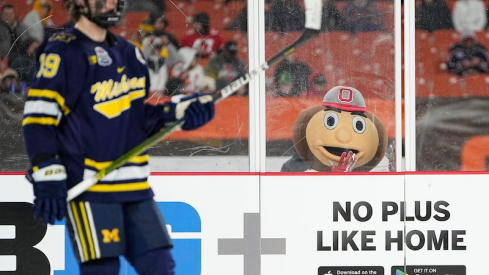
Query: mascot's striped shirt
[[86, 106]]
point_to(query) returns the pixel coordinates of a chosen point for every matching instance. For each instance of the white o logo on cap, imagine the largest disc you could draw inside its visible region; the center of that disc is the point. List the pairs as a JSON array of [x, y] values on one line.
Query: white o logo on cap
[[345, 95]]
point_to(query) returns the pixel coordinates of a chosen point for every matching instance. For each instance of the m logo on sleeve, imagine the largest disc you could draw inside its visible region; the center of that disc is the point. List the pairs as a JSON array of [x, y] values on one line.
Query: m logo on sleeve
[[111, 235]]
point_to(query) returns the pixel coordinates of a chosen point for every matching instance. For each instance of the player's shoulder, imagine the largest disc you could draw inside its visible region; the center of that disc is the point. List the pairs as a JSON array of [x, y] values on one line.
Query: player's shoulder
[[124, 43], [63, 38], [64, 43], [130, 49]]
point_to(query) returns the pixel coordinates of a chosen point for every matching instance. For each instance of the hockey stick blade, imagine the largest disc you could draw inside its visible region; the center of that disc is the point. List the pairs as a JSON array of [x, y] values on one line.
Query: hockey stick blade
[[313, 24]]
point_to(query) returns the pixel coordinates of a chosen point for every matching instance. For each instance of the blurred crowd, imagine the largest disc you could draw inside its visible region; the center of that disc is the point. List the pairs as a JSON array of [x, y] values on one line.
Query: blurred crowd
[[203, 59]]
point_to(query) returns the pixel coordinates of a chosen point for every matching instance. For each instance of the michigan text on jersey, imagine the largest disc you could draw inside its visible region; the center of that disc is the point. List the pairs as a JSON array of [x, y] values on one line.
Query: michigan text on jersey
[[108, 93]]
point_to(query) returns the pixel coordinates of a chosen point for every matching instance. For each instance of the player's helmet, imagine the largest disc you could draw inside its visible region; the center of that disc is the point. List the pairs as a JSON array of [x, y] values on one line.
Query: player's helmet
[[94, 12]]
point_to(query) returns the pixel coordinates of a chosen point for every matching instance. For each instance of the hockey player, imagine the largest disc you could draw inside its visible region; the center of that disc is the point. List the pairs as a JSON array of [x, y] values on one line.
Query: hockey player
[[86, 108]]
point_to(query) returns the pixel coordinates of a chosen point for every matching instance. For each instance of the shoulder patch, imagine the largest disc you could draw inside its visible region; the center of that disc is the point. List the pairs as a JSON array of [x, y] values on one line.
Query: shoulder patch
[[62, 37], [103, 57]]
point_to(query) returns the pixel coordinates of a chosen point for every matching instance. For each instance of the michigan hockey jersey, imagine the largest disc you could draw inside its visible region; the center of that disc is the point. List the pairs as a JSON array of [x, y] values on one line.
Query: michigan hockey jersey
[[86, 106]]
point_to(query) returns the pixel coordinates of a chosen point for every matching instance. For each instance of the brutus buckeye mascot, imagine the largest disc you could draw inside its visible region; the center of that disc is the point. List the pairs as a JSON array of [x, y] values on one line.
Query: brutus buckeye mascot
[[340, 135]]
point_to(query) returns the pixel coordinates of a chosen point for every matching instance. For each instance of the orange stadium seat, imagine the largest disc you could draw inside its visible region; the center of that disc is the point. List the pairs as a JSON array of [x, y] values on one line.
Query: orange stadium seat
[[474, 153], [221, 14], [422, 36], [335, 45], [340, 55], [387, 9], [313, 56], [206, 6], [331, 76], [382, 56], [385, 68], [131, 22], [290, 37], [219, 18], [446, 85], [178, 15], [483, 37], [365, 40], [233, 7], [403, 81], [359, 61], [476, 85], [402, 38], [339, 37], [274, 42], [425, 69], [427, 58], [424, 50], [338, 48], [371, 85], [179, 26], [178, 6], [422, 88], [444, 39], [234, 35]]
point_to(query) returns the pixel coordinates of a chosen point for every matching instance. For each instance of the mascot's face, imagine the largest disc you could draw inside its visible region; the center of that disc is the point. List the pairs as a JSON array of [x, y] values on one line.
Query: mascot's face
[[330, 133]]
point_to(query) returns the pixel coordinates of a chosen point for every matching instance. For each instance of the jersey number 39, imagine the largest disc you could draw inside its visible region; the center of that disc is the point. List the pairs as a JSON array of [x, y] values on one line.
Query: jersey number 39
[[49, 65]]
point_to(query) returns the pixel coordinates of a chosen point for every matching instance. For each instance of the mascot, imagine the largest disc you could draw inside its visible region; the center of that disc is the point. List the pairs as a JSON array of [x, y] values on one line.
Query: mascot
[[341, 135]]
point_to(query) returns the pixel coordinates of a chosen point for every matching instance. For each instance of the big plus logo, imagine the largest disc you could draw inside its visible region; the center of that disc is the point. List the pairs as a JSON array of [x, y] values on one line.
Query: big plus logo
[[20, 233]]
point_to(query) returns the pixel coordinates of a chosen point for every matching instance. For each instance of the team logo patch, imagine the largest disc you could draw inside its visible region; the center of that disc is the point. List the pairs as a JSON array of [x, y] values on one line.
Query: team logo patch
[[103, 57], [62, 37]]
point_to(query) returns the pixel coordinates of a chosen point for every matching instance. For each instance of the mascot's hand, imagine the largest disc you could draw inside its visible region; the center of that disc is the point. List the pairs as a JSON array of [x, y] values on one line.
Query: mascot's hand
[[346, 163]]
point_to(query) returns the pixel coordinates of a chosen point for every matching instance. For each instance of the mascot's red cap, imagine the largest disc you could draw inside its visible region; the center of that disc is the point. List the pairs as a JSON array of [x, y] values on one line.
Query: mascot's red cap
[[345, 98]]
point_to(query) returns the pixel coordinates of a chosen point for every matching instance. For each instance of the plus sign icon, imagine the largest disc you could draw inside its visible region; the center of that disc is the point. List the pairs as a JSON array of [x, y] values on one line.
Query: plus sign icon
[[250, 244]]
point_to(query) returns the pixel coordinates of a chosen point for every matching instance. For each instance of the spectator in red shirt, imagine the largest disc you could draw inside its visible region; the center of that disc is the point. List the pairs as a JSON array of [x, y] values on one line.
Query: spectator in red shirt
[[203, 38]]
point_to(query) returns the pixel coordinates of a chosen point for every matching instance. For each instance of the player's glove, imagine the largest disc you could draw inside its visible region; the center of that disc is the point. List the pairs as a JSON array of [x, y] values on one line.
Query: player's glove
[[49, 181], [346, 163], [196, 110]]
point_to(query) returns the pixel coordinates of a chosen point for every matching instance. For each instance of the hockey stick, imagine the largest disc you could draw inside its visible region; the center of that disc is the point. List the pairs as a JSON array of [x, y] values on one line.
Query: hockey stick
[[312, 27]]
